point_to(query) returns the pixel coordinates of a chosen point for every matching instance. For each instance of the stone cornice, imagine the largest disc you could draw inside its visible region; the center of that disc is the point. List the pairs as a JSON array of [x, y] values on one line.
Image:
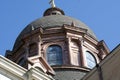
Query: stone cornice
[[12, 67]]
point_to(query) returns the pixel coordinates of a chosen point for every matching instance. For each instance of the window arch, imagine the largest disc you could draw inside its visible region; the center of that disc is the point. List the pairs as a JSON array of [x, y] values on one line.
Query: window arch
[[90, 59], [22, 61], [54, 55]]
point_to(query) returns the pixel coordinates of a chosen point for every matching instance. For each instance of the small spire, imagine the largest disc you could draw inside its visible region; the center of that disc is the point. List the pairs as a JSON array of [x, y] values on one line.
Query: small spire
[[32, 27], [52, 2], [73, 24]]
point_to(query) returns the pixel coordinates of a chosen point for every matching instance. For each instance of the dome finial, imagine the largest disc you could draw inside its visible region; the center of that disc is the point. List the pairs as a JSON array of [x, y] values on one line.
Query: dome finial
[[52, 2]]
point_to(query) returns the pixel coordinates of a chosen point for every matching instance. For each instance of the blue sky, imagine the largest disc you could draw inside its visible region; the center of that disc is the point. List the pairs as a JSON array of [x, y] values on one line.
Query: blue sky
[[102, 16]]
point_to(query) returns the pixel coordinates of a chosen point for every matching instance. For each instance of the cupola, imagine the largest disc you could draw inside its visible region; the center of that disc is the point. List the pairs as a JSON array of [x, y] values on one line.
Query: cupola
[[53, 11], [62, 42]]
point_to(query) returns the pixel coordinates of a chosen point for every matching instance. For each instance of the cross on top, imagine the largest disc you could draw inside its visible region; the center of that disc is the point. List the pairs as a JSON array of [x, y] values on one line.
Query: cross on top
[[52, 2]]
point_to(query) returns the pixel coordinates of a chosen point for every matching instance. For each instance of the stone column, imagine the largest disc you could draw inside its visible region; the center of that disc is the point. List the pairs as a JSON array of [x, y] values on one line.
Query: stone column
[[27, 50], [69, 49], [39, 46], [82, 58]]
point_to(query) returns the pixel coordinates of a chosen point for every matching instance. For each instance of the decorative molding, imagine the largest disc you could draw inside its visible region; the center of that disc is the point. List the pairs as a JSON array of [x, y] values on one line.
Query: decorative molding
[[40, 62]]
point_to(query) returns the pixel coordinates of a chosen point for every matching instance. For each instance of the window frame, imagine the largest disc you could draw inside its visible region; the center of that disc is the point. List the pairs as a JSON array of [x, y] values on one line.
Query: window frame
[[22, 61], [93, 57], [61, 60]]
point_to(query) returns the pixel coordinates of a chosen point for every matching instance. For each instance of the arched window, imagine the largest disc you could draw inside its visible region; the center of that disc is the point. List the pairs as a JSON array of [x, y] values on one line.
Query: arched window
[[22, 61], [54, 55], [75, 53], [91, 62]]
